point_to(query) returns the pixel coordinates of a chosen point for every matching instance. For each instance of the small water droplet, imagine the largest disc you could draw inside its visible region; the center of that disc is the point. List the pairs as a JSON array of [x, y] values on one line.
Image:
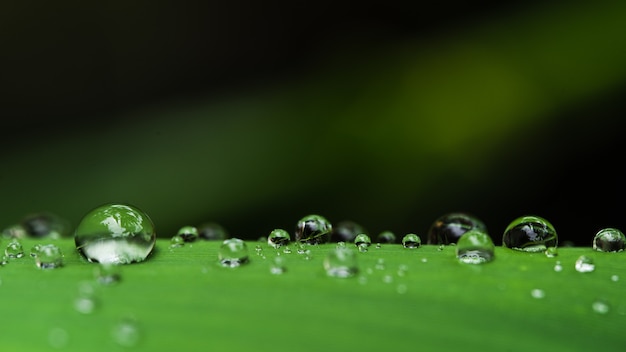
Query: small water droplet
[[600, 306], [126, 333], [440, 247], [115, 233], [278, 238], [449, 228], [386, 237], [287, 250], [85, 304], [424, 260], [402, 270], [558, 267], [387, 278], [49, 256], [212, 231], [278, 267], [177, 241], [609, 240], [475, 247], [380, 264], [4, 260], [411, 240], [108, 274], [34, 250], [378, 246], [233, 253], [614, 278], [362, 242], [537, 293], [551, 252], [188, 233], [584, 264], [341, 262], [529, 234], [401, 289], [313, 229], [14, 249]]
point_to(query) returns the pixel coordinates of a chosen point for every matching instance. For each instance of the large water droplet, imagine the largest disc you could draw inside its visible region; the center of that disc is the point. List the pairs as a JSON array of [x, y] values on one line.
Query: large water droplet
[[347, 231], [233, 253], [411, 240], [584, 264], [530, 234], [341, 262], [609, 240], [14, 249], [313, 229], [475, 247], [278, 238], [49, 256], [115, 233], [188, 233], [450, 227], [212, 231]]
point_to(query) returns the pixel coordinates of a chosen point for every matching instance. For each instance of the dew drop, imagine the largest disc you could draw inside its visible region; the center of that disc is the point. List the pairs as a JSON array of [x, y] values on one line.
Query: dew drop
[[386, 237], [34, 250], [14, 249], [177, 241], [107, 274], [188, 233], [537, 293], [126, 333], [529, 234], [313, 229], [609, 240], [584, 264], [600, 306], [475, 247], [212, 231], [85, 304], [233, 252], [116, 234], [558, 267], [411, 240], [346, 231], [551, 252], [614, 278], [341, 262], [49, 256], [278, 238], [450, 227], [278, 267], [362, 240]]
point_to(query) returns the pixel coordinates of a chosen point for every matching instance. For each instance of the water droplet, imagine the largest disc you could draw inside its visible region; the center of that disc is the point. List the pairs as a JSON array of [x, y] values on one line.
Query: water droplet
[[14, 231], [233, 253], [85, 304], [411, 240], [537, 293], [362, 240], [34, 250], [58, 338], [107, 274], [386, 237], [584, 264], [116, 234], [14, 249], [346, 231], [313, 229], [126, 333], [401, 289], [45, 225], [212, 231], [609, 240], [475, 247], [530, 234], [450, 227], [380, 264], [177, 241], [551, 252], [188, 233], [49, 256], [4, 260], [600, 306], [558, 267], [278, 267], [341, 262], [614, 278], [278, 238]]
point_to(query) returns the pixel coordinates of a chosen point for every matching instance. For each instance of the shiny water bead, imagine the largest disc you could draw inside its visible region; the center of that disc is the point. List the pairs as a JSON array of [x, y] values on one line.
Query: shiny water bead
[[584, 264], [386, 237], [188, 233], [126, 333], [14, 249], [450, 227], [45, 224], [313, 229], [115, 234], [278, 266], [411, 240], [475, 247], [212, 231], [34, 250], [233, 252], [177, 241], [551, 252], [341, 262], [49, 256], [530, 234], [609, 240], [278, 238], [346, 231], [362, 240]]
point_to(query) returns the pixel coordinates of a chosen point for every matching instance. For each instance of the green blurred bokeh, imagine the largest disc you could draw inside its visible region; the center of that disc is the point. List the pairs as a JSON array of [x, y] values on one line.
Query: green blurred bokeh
[[254, 116]]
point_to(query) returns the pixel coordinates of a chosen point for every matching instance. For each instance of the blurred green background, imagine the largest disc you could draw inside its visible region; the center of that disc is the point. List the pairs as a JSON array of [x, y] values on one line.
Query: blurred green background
[[254, 114]]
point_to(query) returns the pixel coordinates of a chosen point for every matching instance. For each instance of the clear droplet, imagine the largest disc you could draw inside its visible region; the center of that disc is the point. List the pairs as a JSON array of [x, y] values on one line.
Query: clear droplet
[[450, 227], [537, 293], [362, 242], [475, 247], [107, 274], [188, 233], [34, 250], [341, 262], [85, 304], [600, 306], [411, 240], [212, 231], [116, 234], [14, 249], [551, 252], [614, 278], [386, 237], [584, 264], [278, 267], [313, 229], [126, 333], [45, 225], [609, 240], [530, 234], [278, 238], [177, 241], [346, 231], [558, 267], [49, 256], [233, 253]]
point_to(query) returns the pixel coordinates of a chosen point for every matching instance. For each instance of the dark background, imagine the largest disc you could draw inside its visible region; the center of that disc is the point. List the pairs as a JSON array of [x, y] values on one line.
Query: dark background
[[255, 114]]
